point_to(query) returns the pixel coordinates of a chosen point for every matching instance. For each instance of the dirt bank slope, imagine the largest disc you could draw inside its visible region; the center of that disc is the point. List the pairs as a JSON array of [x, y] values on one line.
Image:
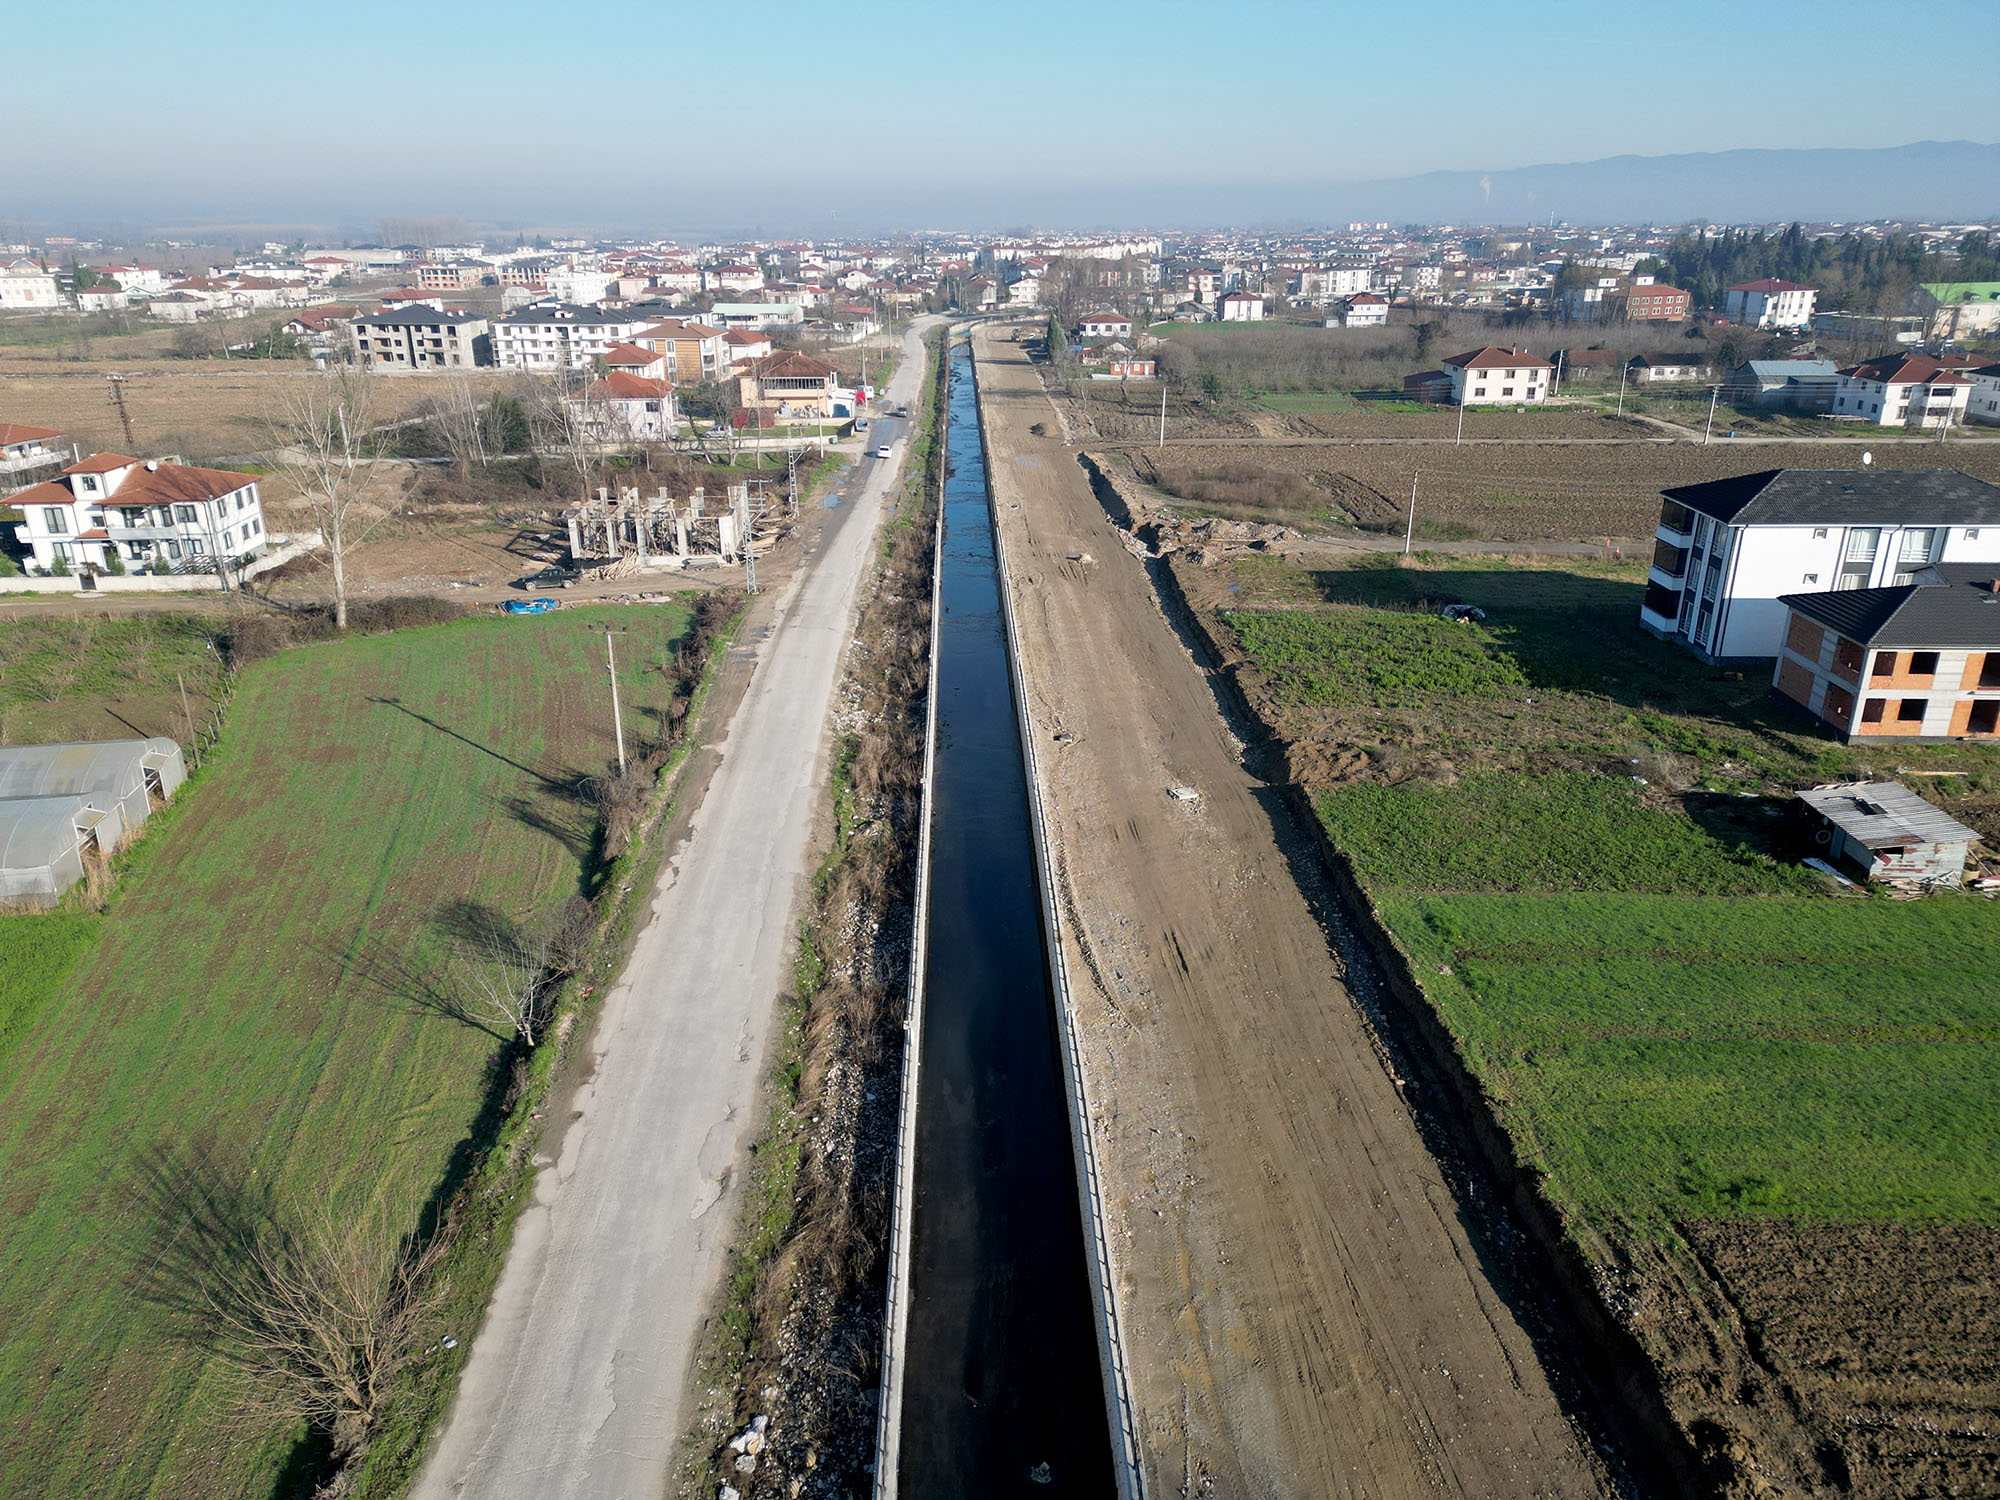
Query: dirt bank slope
[[1306, 1311]]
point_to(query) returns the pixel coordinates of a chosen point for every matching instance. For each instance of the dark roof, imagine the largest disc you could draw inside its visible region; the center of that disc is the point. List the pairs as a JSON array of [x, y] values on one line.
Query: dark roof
[[1846, 497], [569, 312], [1949, 605], [409, 317], [1770, 284], [1494, 357]]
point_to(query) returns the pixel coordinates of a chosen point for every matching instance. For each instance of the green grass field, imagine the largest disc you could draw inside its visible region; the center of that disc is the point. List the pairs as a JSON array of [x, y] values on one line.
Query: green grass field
[[1676, 1018], [249, 993], [93, 677]]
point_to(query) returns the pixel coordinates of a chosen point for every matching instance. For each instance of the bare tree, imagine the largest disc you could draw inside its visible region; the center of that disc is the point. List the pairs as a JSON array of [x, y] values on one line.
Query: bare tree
[[323, 430], [566, 421], [461, 422], [508, 977], [316, 1310]]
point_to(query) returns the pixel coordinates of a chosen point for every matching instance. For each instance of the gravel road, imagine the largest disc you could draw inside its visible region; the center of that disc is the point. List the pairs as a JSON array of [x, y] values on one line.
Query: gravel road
[[1305, 1310], [576, 1382]]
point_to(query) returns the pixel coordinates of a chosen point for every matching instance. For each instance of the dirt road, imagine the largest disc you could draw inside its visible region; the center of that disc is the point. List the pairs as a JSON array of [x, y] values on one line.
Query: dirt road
[[1307, 1316], [575, 1385]]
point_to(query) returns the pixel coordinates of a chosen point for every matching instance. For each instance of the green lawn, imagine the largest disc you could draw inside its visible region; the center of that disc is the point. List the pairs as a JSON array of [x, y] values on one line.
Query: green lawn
[[1576, 833], [98, 677], [248, 993]]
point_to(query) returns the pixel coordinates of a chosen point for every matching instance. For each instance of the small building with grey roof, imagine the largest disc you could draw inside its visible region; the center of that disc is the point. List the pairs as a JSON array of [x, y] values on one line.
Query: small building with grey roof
[[1881, 830]]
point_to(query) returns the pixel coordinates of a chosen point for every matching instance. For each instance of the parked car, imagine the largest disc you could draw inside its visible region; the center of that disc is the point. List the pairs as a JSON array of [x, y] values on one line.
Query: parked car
[[883, 451]]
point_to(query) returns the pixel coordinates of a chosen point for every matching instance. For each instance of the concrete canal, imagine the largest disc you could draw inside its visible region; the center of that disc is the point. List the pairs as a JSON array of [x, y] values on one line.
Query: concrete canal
[[1002, 1392]]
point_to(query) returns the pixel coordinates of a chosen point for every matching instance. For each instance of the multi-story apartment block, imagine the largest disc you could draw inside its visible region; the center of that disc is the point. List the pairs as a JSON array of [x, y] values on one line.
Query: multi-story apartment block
[[421, 339], [1771, 303], [1903, 390], [563, 336], [1649, 301], [24, 450], [139, 510], [1915, 661], [1726, 553], [28, 286]]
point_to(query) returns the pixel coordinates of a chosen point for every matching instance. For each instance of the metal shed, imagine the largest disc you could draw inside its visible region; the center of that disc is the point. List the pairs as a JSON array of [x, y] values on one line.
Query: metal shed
[[1887, 832], [44, 842], [129, 774]]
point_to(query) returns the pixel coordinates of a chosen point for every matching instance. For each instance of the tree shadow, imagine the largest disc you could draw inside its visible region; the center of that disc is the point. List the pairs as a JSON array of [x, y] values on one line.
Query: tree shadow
[[559, 780], [394, 978]]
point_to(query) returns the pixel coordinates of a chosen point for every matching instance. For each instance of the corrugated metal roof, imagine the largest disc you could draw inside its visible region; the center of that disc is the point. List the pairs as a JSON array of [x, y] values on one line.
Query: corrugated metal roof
[[1885, 815]]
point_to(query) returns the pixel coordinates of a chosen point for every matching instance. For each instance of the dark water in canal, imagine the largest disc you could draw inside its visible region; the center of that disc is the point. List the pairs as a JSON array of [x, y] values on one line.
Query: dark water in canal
[[1002, 1372]]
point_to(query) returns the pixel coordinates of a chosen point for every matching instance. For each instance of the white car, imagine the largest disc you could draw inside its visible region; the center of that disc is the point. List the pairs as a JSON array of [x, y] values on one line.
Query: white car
[[883, 451]]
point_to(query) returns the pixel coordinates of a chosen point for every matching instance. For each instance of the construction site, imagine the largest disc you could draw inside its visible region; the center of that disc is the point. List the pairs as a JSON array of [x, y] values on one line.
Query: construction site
[[613, 536]]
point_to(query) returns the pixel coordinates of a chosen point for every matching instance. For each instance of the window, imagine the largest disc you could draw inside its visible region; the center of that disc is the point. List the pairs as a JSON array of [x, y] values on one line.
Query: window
[[185, 515], [1862, 543], [1923, 663], [56, 519], [1871, 711], [64, 551], [1972, 533], [1885, 664], [1819, 533], [1507, 390], [1911, 710], [1480, 392], [197, 546], [1810, 578], [1916, 547]]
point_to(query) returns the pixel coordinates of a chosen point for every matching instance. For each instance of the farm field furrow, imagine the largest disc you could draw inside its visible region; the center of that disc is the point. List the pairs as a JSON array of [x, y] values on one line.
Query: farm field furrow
[[252, 997]]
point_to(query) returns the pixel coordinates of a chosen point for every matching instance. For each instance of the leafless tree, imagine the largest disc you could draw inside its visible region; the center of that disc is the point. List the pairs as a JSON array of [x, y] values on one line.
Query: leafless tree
[[324, 431], [508, 977], [461, 422], [314, 1308], [567, 421]]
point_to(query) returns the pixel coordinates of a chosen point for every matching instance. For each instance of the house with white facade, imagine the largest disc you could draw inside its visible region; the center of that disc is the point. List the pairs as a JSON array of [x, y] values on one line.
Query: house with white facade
[[138, 510], [563, 336], [1726, 552], [1771, 303], [732, 278], [1982, 404], [1362, 310], [756, 315], [24, 450], [1903, 390], [144, 279], [629, 407], [1670, 369], [28, 287], [1958, 309], [1914, 661], [1241, 307], [1105, 325], [1496, 376]]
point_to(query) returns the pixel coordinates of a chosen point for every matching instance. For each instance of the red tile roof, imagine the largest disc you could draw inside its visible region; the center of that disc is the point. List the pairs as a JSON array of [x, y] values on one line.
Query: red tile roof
[[629, 354], [1905, 369], [101, 463], [623, 385], [789, 364], [1493, 357], [20, 432], [48, 492]]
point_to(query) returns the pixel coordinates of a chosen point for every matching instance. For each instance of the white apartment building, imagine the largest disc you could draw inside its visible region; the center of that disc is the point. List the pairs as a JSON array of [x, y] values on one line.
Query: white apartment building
[[1903, 390], [25, 285], [1362, 310], [1983, 403], [1241, 307], [140, 510], [420, 339], [563, 336], [1771, 303], [1495, 376], [1726, 552], [568, 284]]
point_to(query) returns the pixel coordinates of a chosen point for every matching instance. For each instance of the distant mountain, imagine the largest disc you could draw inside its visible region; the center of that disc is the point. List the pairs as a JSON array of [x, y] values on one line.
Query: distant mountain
[[1949, 181]]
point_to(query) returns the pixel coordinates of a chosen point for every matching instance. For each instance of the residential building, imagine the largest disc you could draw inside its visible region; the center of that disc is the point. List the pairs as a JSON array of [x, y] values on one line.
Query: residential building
[[1670, 369], [1860, 326], [564, 336], [1903, 390], [1771, 303], [793, 387], [1594, 363], [1983, 404], [1916, 661], [1242, 307], [145, 280], [756, 315], [733, 278], [629, 407], [739, 344], [139, 510], [1958, 309], [694, 352], [1130, 367], [1655, 302], [1105, 325], [1784, 384], [1726, 552], [571, 284], [1362, 310], [25, 450], [420, 340], [105, 297], [26, 286], [1496, 376]]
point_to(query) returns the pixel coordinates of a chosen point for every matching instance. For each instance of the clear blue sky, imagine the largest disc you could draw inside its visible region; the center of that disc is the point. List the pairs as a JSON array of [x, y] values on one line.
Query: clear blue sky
[[788, 115]]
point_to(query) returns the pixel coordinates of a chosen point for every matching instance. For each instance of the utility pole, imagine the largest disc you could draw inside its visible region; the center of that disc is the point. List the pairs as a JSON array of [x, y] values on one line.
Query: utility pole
[[1714, 392], [1410, 530], [611, 667], [124, 417], [1163, 414], [194, 745], [1461, 423], [1627, 370]]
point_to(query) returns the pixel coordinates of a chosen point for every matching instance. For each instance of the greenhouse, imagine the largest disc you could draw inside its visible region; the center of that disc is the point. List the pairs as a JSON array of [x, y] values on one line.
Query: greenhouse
[[62, 804]]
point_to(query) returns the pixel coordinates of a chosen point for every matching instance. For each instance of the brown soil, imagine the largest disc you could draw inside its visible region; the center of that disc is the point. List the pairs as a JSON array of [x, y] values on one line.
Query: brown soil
[[1307, 1309], [1578, 492]]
